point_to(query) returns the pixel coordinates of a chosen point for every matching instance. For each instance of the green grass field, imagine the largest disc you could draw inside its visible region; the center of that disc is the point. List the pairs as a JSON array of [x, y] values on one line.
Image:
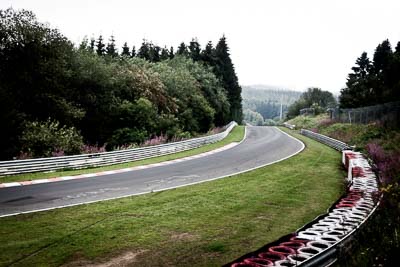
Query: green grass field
[[208, 224], [236, 135]]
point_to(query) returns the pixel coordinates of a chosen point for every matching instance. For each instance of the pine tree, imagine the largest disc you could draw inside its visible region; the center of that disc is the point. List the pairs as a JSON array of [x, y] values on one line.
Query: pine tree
[[100, 47], [182, 50], [111, 50], [92, 45], [84, 44], [154, 53], [164, 53], [359, 91], [144, 51], [382, 56], [394, 74], [133, 53], [125, 50], [194, 49], [171, 53], [225, 70], [208, 54], [397, 49], [381, 67], [374, 83]]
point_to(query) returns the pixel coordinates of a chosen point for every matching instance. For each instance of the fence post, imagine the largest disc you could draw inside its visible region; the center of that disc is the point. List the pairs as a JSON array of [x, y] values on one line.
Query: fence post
[[349, 112]]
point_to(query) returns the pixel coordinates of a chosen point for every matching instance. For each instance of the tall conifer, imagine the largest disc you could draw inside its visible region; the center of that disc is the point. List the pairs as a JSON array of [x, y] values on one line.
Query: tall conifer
[[144, 50], [182, 50], [133, 52], [111, 49], [125, 50], [100, 46], [226, 72], [194, 49]]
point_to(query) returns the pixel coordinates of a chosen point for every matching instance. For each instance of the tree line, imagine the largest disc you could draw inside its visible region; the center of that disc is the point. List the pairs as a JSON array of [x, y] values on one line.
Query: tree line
[[373, 81], [315, 99], [56, 97]]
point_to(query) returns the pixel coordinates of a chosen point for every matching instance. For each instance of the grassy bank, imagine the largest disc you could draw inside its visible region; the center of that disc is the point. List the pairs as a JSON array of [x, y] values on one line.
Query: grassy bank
[[236, 135], [307, 122], [207, 224]]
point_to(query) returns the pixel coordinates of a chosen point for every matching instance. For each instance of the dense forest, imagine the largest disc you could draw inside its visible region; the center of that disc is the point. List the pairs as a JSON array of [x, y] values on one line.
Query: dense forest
[[373, 82], [262, 104], [58, 99]]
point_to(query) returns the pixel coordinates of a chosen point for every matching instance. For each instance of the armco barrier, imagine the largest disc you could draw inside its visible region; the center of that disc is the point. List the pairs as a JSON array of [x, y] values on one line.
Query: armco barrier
[[336, 144], [319, 243], [290, 126], [107, 158]]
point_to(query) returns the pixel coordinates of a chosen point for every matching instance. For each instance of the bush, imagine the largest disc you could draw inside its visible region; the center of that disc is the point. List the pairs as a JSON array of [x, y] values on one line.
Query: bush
[[126, 136], [307, 122], [44, 139], [269, 122], [156, 140], [387, 163], [326, 122], [90, 149]]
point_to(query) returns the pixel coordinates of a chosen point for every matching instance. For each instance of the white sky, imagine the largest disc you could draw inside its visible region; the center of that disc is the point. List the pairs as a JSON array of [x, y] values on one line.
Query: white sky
[[289, 43]]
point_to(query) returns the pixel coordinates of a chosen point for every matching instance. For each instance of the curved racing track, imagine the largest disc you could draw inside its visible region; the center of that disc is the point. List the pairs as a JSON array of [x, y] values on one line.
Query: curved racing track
[[262, 146]]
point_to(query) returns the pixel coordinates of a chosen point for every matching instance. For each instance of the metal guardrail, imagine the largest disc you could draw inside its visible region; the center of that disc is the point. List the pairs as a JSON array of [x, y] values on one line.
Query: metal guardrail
[[290, 126], [107, 158], [336, 144]]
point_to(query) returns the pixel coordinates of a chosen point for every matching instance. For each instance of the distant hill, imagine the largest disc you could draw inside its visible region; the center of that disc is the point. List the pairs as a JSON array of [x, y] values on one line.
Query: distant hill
[[266, 100], [265, 87]]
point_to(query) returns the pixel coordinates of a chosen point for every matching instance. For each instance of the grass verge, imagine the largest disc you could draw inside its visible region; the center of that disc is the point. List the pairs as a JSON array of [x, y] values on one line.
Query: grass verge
[[236, 135], [207, 224]]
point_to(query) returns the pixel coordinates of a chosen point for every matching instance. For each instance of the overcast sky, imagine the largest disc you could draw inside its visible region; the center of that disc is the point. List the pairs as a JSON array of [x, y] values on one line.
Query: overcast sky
[[289, 43]]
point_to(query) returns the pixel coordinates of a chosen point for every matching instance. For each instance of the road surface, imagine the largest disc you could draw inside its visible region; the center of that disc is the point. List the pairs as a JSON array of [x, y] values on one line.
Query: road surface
[[262, 146]]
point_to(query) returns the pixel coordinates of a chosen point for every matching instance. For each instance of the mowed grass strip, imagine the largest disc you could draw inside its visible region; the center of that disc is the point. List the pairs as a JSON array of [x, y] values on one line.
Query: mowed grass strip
[[236, 135], [207, 224]]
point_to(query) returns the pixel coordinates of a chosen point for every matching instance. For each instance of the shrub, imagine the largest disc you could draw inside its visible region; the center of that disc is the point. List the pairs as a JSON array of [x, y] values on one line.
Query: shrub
[[42, 139], [388, 163], [269, 122], [126, 136], [156, 140], [90, 149], [58, 153], [216, 130], [307, 122], [125, 147], [181, 135], [23, 155], [326, 122]]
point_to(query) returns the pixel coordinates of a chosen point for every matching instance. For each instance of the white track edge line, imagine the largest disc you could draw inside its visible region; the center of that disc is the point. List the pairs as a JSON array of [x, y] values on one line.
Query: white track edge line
[[127, 169], [169, 188]]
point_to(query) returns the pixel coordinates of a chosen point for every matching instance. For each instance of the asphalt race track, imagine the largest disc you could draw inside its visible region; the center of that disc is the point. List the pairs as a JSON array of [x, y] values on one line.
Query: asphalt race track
[[262, 146]]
